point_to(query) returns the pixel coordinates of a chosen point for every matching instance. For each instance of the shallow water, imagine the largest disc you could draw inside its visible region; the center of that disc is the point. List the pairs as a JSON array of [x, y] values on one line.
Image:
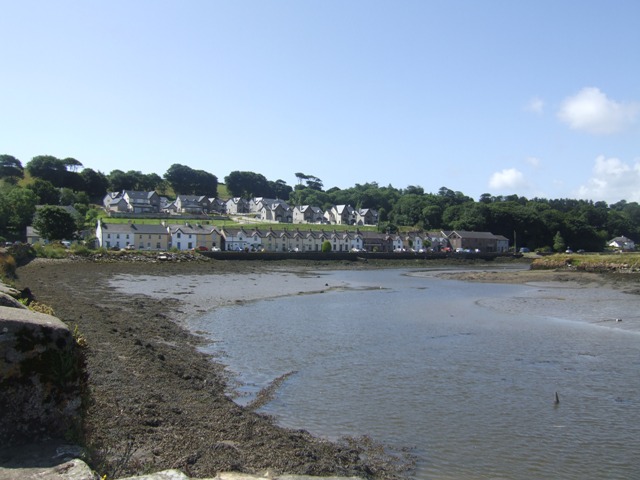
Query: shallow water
[[464, 373]]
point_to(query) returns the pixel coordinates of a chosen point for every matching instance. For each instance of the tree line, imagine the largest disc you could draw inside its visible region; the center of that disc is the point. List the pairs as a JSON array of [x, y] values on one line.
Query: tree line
[[536, 223]]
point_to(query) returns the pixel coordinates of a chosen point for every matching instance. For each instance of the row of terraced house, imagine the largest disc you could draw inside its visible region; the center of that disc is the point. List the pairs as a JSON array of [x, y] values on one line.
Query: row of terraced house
[[265, 209], [188, 236]]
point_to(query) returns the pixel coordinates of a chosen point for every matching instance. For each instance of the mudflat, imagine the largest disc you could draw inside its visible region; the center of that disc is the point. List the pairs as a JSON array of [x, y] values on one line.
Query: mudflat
[[156, 402]]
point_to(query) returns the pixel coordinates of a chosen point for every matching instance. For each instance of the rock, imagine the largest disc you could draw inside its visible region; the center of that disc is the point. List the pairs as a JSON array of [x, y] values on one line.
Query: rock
[[164, 475], [50, 460], [10, 301], [71, 470], [9, 297], [178, 475], [41, 368], [9, 291]]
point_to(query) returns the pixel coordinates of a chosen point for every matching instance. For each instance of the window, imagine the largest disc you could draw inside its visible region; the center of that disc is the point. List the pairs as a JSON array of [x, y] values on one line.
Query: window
[[158, 246], [178, 235]]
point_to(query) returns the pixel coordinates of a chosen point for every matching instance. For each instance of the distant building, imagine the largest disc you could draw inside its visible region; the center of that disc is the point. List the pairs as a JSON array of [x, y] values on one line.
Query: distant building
[[483, 241], [132, 235], [132, 201], [622, 243]]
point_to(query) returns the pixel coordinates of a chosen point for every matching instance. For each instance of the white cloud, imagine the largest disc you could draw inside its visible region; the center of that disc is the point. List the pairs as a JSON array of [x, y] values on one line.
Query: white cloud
[[509, 178], [612, 181], [535, 105], [591, 111]]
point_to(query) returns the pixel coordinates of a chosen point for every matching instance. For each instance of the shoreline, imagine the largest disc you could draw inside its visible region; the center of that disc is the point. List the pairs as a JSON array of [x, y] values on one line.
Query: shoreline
[[159, 403]]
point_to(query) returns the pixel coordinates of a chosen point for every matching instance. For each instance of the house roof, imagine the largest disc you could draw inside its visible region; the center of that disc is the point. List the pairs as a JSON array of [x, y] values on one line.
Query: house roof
[[196, 229], [134, 228], [621, 239], [477, 235]]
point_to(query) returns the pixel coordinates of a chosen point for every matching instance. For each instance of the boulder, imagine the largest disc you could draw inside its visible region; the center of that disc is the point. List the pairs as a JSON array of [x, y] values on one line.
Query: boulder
[[72, 470], [10, 301], [41, 372]]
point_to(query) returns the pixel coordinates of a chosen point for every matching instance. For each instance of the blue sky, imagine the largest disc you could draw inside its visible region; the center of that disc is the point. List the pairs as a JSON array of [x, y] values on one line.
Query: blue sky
[[537, 98]]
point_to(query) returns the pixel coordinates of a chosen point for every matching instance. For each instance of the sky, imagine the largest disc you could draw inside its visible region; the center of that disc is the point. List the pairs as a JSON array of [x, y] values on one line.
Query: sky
[[535, 98]]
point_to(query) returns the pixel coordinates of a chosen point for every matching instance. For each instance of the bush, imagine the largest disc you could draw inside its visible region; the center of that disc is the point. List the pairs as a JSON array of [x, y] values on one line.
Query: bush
[[41, 308], [7, 266], [326, 246], [78, 249], [21, 252], [50, 251]]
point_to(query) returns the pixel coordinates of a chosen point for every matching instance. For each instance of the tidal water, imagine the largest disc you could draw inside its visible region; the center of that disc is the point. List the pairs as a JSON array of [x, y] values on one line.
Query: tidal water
[[465, 374]]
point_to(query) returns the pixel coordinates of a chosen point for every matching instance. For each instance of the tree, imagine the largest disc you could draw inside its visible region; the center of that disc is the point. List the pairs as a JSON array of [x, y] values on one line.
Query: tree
[[67, 197], [408, 210], [119, 181], [472, 216], [186, 181], [45, 191], [205, 184], [91, 217], [48, 167], [10, 167], [149, 182], [558, 243], [95, 183], [279, 189], [314, 183], [19, 205], [71, 164], [382, 215], [326, 246], [432, 215], [54, 223], [414, 190], [247, 185], [301, 176]]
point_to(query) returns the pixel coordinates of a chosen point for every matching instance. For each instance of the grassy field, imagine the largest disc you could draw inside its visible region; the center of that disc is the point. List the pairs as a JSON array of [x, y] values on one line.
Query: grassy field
[[248, 224]]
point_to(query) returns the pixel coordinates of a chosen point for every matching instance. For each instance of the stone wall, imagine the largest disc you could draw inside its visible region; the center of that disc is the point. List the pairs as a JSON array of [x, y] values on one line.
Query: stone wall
[[41, 371]]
